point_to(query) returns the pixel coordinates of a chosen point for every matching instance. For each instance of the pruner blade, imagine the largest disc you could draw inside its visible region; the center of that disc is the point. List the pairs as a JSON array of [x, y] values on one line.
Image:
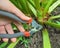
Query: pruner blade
[[36, 27]]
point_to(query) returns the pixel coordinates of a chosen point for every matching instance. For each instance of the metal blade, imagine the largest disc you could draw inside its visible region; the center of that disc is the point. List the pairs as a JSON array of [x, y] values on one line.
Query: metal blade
[[36, 25]]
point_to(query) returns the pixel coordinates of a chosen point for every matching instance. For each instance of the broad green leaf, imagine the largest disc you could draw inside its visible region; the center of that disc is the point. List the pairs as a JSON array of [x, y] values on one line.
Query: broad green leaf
[[53, 6], [46, 40]]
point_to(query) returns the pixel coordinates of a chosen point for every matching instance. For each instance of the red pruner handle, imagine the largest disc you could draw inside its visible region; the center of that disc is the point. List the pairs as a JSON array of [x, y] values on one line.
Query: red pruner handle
[[26, 34]]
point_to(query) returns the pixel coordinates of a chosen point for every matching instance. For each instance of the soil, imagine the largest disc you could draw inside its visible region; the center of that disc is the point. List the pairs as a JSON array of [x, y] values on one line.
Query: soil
[[54, 34]]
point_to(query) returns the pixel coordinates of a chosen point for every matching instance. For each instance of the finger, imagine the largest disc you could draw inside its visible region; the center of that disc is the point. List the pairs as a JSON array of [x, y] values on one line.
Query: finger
[[2, 31], [8, 6], [12, 8], [16, 11], [10, 31], [29, 21], [19, 26]]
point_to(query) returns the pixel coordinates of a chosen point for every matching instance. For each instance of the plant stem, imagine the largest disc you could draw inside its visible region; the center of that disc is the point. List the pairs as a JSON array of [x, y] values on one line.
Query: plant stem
[[12, 45], [52, 7], [54, 17], [52, 24], [46, 40], [47, 6]]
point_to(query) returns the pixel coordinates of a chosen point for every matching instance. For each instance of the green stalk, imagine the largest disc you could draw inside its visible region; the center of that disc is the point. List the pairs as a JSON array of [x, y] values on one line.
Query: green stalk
[[52, 7], [47, 6], [12, 45], [46, 40], [52, 24], [31, 1], [19, 6], [14, 2], [3, 44], [54, 17], [32, 9], [37, 4], [24, 5]]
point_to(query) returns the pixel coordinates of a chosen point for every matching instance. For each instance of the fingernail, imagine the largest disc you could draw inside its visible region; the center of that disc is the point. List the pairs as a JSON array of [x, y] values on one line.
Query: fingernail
[[5, 39], [29, 21], [13, 39]]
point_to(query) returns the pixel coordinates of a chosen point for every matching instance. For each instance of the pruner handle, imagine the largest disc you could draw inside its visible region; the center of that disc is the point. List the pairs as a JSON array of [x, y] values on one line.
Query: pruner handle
[[10, 15]]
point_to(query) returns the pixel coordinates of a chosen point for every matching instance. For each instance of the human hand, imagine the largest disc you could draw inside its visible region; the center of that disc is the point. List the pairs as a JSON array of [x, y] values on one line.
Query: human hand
[[8, 6], [5, 23], [5, 27]]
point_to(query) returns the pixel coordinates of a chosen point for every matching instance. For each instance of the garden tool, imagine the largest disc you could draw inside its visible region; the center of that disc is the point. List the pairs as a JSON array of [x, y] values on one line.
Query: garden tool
[[35, 26]]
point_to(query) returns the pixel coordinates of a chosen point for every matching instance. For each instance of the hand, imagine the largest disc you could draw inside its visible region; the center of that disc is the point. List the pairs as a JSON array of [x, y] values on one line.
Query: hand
[[8, 6], [5, 23]]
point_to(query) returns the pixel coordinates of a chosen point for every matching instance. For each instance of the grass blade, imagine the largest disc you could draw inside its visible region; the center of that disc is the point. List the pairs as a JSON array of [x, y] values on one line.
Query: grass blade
[[54, 17], [52, 7], [46, 40], [24, 5], [47, 6], [37, 4], [12, 45], [31, 1], [52, 24], [32, 9], [3, 44], [58, 22]]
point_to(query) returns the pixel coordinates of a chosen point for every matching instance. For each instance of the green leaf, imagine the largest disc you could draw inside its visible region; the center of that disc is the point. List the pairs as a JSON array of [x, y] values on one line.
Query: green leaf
[[32, 9], [53, 6], [46, 40], [58, 22], [14, 2], [25, 26], [31, 1], [23, 4], [37, 4], [54, 17], [3, 44], [47, 6], [12, 45], [52, 24], [18, 5]]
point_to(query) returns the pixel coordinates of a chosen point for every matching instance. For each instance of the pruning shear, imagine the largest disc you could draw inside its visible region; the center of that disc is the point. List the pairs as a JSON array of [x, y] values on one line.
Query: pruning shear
[[34, 24]]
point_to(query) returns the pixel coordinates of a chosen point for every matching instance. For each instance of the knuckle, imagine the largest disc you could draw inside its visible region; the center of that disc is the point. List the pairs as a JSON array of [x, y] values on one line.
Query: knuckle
[[1, 28]]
